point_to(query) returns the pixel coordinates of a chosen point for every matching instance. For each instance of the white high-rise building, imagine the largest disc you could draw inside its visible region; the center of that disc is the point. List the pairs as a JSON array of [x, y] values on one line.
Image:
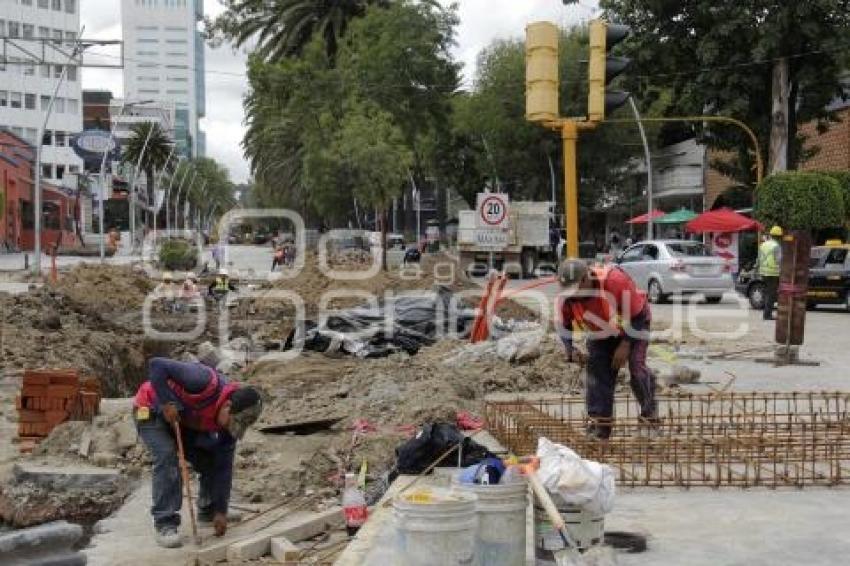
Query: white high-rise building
[[29, 71], [164, 61]]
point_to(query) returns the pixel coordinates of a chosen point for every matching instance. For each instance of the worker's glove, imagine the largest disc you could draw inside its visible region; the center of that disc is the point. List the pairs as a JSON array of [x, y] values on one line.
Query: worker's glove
[[220, 524], [621, 355], [170, 413]]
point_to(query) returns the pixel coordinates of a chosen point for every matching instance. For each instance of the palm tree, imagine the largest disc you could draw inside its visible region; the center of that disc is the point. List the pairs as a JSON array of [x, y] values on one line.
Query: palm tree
[[282, 28], [154, 154]]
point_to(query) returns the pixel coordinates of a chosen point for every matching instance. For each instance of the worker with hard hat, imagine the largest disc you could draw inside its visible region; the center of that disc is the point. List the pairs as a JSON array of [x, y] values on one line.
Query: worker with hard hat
[[222, 285], [769, 260], [603, 303], [167, 291]]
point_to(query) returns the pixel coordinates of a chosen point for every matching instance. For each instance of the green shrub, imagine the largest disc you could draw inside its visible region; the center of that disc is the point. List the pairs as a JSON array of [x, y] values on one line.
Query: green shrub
[[843, 177], [800, 201], [177, 255]]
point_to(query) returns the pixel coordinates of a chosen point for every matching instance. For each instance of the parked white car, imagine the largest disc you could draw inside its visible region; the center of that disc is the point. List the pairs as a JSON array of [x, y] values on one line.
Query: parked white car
[[676, 267]]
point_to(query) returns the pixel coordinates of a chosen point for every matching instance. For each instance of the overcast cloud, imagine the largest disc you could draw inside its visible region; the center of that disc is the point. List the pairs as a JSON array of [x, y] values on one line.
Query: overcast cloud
[[482, 21]]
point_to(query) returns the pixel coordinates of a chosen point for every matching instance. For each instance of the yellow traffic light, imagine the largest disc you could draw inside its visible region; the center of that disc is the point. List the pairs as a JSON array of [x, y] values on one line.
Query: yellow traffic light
[[602, 69], [541, 72]]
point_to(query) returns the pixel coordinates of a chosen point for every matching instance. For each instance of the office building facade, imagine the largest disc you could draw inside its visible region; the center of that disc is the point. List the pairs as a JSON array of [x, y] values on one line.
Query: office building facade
[[29, 71], [164, 61]]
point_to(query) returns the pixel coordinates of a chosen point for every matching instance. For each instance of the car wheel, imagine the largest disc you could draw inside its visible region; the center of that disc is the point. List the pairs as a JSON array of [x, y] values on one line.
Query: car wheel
[[714, 300], [655, 293], [756, 296]]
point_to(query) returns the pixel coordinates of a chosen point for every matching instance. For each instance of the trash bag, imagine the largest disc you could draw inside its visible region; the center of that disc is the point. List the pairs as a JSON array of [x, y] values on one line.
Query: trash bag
[[432, 441], [403, 323], [581, 482]]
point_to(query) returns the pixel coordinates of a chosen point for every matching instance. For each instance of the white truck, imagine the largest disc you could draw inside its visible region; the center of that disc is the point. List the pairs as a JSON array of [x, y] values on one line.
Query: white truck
[[518, 244]]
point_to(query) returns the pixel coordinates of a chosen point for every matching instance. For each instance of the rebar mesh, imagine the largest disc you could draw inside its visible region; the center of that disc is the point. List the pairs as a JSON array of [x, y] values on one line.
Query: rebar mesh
[[714, 439]]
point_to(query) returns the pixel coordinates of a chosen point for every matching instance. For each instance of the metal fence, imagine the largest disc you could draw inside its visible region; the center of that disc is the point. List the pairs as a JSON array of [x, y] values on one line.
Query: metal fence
[[714, 439]]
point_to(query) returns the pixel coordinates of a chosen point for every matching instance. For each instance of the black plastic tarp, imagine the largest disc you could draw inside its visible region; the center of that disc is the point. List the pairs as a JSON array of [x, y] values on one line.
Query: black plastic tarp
[[402, 323]]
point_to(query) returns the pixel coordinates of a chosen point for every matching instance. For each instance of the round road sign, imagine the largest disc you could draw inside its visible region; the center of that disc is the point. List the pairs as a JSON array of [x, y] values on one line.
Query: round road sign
[[493, 210]]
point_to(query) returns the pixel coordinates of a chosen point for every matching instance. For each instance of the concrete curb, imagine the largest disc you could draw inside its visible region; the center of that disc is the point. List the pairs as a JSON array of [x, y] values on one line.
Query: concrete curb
[[45, 545]]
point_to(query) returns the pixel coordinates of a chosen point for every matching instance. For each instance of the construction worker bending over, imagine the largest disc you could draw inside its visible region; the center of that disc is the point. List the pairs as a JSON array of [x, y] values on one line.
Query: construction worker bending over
[[212, 413], [605, 304], [769, 260]]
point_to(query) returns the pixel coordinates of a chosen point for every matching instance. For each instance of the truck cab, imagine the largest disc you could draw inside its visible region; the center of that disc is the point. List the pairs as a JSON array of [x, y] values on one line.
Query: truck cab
[[829, 275]]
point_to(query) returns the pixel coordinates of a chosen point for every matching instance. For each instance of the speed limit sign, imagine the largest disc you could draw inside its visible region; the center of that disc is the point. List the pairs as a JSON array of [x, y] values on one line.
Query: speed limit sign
[[492, 210]]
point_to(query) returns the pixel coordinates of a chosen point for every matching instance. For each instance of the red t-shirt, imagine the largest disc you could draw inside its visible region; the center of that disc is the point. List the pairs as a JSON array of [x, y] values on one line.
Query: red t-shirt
[[615, 299]]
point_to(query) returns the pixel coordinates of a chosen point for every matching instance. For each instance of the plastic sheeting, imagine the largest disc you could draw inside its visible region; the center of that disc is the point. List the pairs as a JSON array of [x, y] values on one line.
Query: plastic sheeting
[[578, 481], [401, 323]]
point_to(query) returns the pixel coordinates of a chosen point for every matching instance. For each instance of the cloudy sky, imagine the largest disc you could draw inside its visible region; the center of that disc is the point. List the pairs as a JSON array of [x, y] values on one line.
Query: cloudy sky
[[482, 21]]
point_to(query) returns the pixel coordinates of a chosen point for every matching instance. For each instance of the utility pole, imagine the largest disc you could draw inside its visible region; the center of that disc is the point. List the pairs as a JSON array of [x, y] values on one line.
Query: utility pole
[[156, 183], [649, 205], [134, 174], [39, 141]]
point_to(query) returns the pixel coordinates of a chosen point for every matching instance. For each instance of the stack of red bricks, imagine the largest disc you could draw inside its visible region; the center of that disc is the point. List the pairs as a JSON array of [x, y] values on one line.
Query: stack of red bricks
[[50, 397]]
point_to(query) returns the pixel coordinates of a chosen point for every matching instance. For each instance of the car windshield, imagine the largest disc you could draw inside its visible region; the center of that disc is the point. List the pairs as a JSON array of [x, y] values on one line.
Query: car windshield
[[688, 249]]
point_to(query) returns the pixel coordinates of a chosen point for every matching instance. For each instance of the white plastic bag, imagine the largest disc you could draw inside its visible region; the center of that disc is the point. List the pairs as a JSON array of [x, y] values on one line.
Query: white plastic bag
[[578, 481]]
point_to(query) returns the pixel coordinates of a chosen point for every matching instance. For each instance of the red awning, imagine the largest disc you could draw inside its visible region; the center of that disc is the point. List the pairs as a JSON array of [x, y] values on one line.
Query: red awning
[[722, 220], [644, 218]]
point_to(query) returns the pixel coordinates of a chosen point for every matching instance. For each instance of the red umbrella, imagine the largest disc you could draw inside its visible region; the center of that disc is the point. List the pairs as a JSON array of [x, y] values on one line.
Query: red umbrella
[[644, 218], [722, 220]]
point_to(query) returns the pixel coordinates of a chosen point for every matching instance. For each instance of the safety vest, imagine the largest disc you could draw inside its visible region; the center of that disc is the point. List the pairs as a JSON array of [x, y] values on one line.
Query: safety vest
[[203, 406], [221, 285], [768, 266]]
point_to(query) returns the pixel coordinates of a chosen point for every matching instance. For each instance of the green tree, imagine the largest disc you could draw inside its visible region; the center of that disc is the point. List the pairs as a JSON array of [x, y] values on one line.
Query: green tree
[[212, 189], [370, 149], [148, 140], [282, 28], [771, 63], [800, 201]]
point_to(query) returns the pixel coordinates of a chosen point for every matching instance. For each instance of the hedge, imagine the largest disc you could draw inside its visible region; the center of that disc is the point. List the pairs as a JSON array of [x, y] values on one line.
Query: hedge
[[177, 255], [800, 201], [843, 177]]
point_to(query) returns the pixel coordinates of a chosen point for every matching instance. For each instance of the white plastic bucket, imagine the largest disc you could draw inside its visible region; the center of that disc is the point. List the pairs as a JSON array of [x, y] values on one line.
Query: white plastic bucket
[[436, 526], [586, 529], [501, 521]]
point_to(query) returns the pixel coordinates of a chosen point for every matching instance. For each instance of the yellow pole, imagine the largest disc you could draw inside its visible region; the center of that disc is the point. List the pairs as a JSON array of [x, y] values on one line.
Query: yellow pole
[[569, 135]]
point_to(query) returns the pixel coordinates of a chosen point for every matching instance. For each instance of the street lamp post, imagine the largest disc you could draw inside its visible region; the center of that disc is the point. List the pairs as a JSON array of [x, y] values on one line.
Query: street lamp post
[[156, 183], [179, 190], [168, 196], [135, 172], [177, 202]]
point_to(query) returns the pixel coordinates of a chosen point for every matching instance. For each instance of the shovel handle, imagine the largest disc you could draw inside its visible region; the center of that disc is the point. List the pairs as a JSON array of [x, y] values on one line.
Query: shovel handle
[[184, 473]]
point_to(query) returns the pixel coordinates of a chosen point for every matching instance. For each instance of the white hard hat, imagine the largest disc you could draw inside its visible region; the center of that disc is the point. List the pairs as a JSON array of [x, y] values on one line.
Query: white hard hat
[[223, 272], [167, 276], [191, 275]]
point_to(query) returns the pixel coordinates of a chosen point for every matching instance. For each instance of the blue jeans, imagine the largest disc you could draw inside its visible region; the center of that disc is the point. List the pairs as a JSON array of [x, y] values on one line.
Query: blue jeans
[[213, 466]]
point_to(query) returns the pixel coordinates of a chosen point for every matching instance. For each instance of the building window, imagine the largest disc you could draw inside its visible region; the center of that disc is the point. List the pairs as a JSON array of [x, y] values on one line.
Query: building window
[[2, 27], [29, 69], [176, 54], [47, 138], [71, 75], [147, 53], [45, 102], [59, 105], [44, 70], [60, 139], [30, 134], [147, 79], [60, 172], [57, 71], [177, 66], [57, 36], [70, 6], [175, 28], [178, 79], [56, 5], [71, 37], [47, 170], [29, 101], [147, 28], [15, 100], [148, 91], [43, 4], [176, 41], [43, 31], [26, 2], [29, 31], [73, 169], [177, 91], [14, 29], [147, 65], [147, 40], [73, 106], [4, 98]]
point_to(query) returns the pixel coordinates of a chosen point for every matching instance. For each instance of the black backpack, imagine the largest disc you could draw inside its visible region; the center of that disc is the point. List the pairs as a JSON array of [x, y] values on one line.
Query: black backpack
[[434, 440]]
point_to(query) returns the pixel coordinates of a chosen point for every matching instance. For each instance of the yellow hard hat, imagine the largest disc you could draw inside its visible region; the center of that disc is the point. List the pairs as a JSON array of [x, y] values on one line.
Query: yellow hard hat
[[776, 231]]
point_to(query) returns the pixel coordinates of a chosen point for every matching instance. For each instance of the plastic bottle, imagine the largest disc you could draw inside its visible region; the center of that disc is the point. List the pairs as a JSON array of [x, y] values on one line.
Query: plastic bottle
[[353, 505]]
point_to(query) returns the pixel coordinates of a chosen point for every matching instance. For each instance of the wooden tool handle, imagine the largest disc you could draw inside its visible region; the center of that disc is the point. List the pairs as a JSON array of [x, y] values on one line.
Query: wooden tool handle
[[546, 501]]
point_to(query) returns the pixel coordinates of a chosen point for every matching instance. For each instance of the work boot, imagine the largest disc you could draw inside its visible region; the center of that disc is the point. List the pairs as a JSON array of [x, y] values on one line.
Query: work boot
[[597, 432], [649, 427], [205, 518], [168, 536]]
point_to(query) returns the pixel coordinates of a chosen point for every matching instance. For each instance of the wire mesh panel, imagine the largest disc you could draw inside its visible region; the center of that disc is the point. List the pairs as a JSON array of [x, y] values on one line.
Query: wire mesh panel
[[715, 439]]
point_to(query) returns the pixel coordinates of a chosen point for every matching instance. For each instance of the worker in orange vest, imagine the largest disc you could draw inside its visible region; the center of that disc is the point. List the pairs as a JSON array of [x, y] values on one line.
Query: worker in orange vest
[[604, 304]]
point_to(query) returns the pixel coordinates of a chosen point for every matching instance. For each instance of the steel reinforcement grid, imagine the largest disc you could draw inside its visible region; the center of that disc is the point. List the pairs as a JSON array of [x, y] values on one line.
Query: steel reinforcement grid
[[714, 439]]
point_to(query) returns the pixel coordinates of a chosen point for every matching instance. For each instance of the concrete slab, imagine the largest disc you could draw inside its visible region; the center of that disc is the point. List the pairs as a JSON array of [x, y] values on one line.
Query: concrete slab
[[283, 550], [734, 527], [58, 477]]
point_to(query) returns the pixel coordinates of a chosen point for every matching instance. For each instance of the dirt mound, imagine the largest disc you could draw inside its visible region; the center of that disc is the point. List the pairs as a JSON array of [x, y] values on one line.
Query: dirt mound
[[105, 288]]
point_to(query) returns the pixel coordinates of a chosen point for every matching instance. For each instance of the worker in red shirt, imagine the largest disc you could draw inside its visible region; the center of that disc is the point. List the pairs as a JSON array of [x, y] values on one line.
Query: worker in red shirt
[[214, 413], [604, 303]]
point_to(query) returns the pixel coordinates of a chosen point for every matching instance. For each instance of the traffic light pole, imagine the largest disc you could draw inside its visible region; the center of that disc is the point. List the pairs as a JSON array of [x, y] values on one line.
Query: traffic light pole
[[569, 137]]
